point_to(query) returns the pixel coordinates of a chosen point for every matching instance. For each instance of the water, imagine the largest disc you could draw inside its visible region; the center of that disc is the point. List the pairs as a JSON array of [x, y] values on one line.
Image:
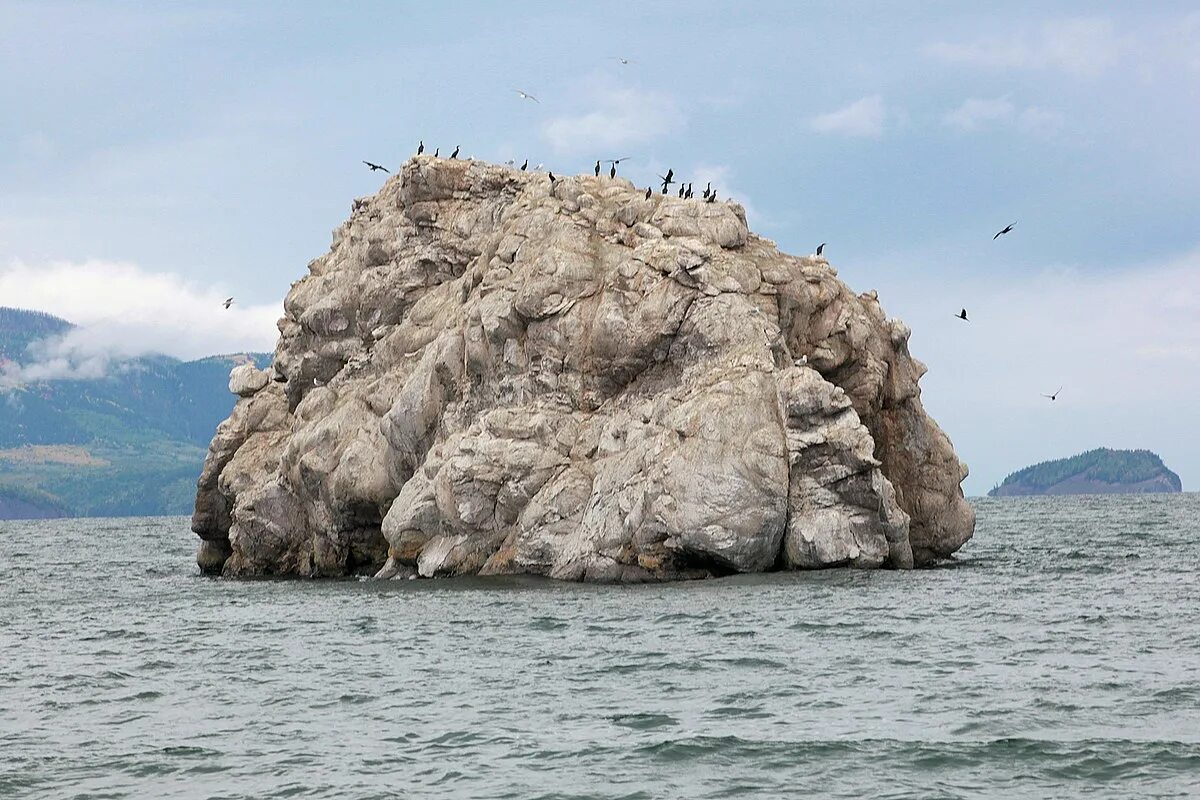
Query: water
[[1057, 658]]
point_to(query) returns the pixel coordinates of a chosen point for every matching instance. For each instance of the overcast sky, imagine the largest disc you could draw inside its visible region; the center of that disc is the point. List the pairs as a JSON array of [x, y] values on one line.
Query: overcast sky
[[157, 158]]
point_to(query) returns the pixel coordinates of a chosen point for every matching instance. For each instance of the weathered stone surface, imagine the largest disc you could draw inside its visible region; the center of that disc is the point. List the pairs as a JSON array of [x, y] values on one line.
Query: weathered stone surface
[[489, 374]]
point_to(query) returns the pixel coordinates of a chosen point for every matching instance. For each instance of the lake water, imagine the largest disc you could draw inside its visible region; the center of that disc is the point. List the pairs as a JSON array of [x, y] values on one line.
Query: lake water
[[1059, 657]]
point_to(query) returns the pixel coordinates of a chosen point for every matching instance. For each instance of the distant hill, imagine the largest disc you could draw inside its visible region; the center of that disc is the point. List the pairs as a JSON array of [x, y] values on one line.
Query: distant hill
[[130, 443], [1100, 471]]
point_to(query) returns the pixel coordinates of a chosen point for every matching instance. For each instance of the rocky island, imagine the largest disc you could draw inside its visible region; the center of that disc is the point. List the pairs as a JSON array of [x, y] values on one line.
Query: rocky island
[[1099, 471], [493, 372]]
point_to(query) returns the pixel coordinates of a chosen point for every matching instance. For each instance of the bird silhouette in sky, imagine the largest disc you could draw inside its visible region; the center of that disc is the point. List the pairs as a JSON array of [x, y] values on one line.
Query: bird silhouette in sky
[[375, 167], [527, 96], [1007, 229], [1054, 396], [228, 302], [962, 315]]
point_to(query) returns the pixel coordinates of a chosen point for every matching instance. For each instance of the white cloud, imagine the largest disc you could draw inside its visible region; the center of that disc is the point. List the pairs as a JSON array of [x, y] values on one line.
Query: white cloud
[[1082, 47], [976, 114], [621, 117], [123, 311], [861, 118]]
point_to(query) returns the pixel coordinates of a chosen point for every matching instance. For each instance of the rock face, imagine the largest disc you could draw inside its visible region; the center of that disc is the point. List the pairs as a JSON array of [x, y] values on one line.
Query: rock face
[[492, 373]]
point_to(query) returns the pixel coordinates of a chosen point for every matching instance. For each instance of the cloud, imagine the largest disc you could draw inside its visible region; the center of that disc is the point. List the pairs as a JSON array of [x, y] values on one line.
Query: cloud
[[977, 114], [620, 117], [122, 312], [1081, 47], [861, 118]]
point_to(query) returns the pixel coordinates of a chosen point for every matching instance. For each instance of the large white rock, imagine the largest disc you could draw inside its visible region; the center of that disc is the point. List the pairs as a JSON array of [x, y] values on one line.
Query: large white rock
[[490, 374]]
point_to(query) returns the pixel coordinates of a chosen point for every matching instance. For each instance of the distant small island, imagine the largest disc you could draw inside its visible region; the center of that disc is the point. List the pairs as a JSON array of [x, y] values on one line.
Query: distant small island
[[1099, 471]]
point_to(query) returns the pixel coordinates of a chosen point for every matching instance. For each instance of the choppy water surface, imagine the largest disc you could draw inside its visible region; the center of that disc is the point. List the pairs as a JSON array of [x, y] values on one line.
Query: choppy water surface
[[1059, 657]]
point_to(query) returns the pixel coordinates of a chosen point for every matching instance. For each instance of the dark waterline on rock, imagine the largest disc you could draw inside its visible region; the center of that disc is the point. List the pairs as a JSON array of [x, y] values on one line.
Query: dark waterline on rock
[[1055, 658]]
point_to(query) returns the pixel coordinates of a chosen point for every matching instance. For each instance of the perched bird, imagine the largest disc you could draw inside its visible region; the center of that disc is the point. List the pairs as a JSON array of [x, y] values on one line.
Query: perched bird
[[228, 302], [455, 153], [420, 147], [681, 188], [649, 191], [688, 194], [526, 96], [375, 166], [707, 190], [712, 197], [820, 248], [612, 171], [1054, 396], [1007, 229], [667, 180], [524, 164], [597, 170], [552, 178], [962, 315], [436, 150]]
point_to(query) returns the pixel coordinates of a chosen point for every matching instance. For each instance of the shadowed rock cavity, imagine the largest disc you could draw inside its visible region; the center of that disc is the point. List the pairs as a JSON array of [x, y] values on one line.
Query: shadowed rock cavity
[[489, 374]]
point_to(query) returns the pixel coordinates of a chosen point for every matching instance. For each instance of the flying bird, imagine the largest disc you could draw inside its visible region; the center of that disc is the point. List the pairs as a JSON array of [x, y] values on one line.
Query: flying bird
[[667, 180], [1054, 396], [455, 153], [420, 147], [228, 302], [375, 167], [527, 96], [820, 248], [622, 60], [1007, 229], [962, 315]]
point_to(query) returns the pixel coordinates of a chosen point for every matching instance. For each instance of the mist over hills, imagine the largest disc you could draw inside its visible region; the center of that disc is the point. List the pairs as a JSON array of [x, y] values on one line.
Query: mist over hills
[[128, 437]]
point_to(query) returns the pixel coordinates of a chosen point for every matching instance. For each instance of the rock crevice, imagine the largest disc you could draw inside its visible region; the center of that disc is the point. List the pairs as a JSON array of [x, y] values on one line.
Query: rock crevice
[[491, 374]]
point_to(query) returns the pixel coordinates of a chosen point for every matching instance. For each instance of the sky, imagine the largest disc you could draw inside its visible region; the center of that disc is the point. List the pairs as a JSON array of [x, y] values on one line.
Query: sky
[[157, 158]]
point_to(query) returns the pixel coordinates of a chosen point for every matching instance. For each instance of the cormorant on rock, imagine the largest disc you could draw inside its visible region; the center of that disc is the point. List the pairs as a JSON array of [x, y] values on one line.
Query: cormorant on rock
[[681, 188], [524, 164], [962, 315], [820, 248], [597, 170], [688, 194], [612, 171], [455, 153], [436, 151], [712, 197], [420, 147], [552, 178], [667, 179], [375, 167], [649, 191], [1007, 229], [707, 190]]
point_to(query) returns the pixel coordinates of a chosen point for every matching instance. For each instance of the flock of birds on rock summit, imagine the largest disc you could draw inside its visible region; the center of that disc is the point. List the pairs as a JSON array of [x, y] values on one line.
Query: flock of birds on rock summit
[[709, 195]]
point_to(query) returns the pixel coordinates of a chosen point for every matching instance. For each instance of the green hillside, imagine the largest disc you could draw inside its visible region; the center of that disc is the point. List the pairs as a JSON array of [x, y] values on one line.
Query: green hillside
[[130, 443], [1094, 469]]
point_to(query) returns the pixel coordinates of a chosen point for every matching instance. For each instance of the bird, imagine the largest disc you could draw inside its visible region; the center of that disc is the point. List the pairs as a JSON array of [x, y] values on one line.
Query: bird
[[538, 167], [597, 170], [1007, 229], [821, 248], [667, 180], [524, 164], [1054, 396], [688, 194], [962, 315], [612, 171], [375, 167], [436, 150], [228, 302], [707, 190], [527, 96], [455, 153], [552, 178], [649, 191], [512, 162], [681, 188], [420, 147], [712, 197], [622, 60]]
